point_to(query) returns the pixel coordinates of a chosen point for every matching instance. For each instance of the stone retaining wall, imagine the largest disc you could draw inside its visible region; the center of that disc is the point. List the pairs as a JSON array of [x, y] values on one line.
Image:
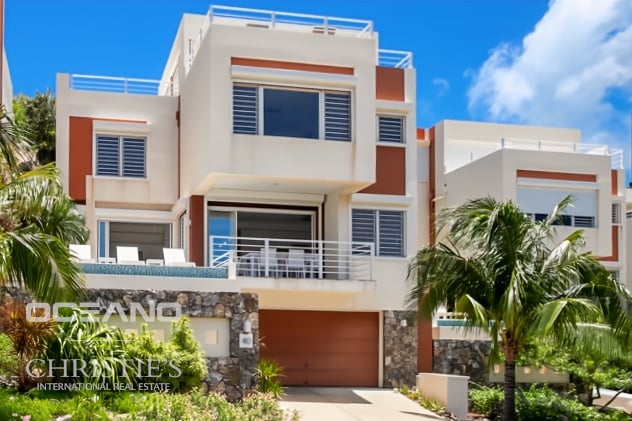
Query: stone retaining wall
[[232, 375], [400, 349], [465, 358]]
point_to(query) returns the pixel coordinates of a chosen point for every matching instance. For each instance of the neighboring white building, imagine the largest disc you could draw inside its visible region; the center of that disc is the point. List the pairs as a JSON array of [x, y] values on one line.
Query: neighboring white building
[[536, 167], [279, 149]]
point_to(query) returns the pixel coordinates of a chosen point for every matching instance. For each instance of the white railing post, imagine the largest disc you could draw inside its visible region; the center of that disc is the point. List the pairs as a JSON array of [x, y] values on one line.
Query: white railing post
[[211, 260], [320, 259], [266, 267], [326, 25], [372, 254], [125, 85], [272, 20]]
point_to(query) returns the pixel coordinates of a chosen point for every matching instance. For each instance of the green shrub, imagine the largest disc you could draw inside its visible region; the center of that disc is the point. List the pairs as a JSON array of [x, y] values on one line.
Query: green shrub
[[87, 406], [100, 345], [544, 404], [39, 409], [192, 406], [179, 362], [487, 401], [270, 373], [190, 357], [429, 404], [8, 358], [261, 407]]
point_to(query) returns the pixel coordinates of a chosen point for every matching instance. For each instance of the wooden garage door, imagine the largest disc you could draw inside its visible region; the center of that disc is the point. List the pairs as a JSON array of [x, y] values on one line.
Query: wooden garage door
[[322, 348]]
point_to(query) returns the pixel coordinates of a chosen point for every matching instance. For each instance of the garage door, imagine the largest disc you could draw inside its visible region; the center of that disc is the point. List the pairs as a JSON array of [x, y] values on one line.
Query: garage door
[[322, 348]]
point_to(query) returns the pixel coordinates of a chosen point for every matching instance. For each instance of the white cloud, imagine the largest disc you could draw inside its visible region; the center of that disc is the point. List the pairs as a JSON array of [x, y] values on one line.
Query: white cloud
[[443, 86], [565, 73]]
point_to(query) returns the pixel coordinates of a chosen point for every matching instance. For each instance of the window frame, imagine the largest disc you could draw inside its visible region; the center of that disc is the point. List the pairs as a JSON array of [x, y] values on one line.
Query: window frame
[[376, 230], [103, 232], [121, 137], [380, 142], [320, 90]]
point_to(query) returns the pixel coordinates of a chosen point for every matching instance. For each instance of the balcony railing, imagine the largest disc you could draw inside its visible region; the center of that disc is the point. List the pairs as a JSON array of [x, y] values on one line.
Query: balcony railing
[[121, 85], [395, 58], [286, 258]]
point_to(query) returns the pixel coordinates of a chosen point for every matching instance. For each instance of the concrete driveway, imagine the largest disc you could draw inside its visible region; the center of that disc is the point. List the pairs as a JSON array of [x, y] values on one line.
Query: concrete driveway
[[352, 404]]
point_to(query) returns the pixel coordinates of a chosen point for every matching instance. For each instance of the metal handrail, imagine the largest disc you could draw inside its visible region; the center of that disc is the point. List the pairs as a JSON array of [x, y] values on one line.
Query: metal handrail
[[395, 58], [361, 26], [118, 84], [271, 257], [615, 154]]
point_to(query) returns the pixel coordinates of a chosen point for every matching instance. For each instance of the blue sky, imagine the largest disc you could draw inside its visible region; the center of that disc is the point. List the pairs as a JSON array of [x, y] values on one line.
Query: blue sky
[[563, 63]]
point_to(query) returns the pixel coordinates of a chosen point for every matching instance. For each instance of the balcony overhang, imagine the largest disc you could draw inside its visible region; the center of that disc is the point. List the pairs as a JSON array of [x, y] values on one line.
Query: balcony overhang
[[248, 183], [257, 284]]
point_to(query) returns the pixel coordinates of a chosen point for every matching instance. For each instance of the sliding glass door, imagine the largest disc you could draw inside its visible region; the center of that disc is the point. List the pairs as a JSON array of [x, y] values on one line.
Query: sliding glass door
[[221, 229]]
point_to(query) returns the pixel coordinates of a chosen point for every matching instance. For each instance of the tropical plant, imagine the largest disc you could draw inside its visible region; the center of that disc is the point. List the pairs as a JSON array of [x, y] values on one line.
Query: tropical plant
[[179, 362], [36, 117], [37, 222], [270, 373], [501, 269], [8, 357], [28, 336], [99, 346]]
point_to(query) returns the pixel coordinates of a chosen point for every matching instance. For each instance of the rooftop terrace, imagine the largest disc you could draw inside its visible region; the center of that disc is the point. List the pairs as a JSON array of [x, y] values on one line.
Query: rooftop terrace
[[253, 18]]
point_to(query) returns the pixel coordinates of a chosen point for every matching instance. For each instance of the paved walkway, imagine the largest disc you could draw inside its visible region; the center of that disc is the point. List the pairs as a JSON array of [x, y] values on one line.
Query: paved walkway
[[357, 404]]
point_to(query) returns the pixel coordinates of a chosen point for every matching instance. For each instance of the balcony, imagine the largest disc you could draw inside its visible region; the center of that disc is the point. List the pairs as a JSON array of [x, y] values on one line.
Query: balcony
[[288, 258]]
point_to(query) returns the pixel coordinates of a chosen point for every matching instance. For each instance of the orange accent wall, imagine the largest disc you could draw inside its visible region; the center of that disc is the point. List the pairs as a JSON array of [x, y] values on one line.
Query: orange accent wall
[[614, 257], [80, 156], [389, 84], [425, 350], [421, 134], [614, 179], [552, 175], [196, 230], [290, 65], [390, 171]]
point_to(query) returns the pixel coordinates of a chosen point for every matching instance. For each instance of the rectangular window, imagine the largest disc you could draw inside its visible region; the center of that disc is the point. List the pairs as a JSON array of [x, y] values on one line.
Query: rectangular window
[[302, 113], [149, 237], [337, 116], [290, 113], [390, 129], [616, 213], [382, 227], [120, 156]]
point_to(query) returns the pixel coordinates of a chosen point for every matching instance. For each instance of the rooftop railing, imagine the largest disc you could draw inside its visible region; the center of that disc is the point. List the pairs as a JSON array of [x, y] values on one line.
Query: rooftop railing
[[616, 154], [120, 85], [326, 25], [295, 22], [395, 58]]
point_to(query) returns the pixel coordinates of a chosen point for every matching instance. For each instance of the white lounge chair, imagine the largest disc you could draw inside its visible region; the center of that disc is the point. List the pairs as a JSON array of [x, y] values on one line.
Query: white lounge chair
[[81, 252], [128, 256], [175, 257]]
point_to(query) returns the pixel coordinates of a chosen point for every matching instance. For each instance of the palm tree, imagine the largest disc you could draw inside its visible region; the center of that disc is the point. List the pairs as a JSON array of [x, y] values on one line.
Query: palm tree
[[37, 222], [500, 268]]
